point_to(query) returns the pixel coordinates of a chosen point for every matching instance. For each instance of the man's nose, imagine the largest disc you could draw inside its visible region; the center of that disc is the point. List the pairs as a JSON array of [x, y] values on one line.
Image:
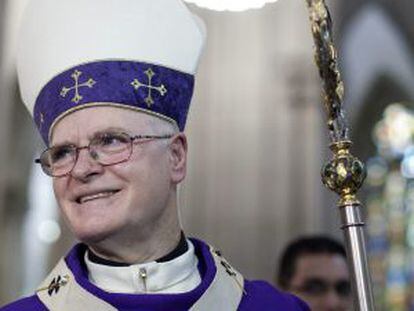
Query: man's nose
[[333, 302], [86, 165]]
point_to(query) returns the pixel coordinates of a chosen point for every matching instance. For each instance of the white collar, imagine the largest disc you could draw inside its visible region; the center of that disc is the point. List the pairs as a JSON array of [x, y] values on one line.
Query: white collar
[[175, 276]]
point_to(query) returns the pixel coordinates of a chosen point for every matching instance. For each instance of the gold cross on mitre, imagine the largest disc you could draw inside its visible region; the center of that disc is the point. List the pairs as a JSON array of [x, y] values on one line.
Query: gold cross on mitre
[[77, 97], [161, 89]]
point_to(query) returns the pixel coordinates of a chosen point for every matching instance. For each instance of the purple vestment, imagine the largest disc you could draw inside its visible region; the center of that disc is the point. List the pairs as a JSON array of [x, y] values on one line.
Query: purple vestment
[[259, 295]]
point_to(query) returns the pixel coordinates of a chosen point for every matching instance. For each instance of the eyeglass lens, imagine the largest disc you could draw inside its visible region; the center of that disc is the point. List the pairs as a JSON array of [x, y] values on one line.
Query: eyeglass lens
[[107, 149]]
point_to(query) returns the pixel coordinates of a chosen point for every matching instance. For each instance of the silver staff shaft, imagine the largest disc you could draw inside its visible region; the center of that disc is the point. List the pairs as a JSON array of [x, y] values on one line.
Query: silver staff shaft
[[353, 228]]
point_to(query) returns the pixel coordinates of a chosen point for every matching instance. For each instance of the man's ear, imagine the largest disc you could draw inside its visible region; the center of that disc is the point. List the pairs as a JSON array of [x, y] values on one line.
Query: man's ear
[[178, 157]]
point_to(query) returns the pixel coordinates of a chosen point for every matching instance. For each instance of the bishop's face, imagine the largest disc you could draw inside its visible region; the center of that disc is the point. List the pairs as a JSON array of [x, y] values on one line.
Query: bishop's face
[[120, 201]]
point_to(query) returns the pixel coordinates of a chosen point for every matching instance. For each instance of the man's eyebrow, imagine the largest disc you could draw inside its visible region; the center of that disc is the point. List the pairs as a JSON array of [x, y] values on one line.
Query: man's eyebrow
[[111, 129], [315, 279], [63, 143]]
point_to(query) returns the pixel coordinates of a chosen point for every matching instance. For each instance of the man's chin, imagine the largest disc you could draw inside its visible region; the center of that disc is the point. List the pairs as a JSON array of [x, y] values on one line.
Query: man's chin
[[92, 236]]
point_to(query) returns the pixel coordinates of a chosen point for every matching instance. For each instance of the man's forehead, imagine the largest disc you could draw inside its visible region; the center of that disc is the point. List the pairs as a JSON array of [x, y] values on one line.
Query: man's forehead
[[89, 121], [321, 265]]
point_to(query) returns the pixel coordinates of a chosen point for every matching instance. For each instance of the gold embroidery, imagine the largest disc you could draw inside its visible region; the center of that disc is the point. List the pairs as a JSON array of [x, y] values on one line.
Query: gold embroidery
[[77, 97], [161, 89], [229, 269], [55, 285]]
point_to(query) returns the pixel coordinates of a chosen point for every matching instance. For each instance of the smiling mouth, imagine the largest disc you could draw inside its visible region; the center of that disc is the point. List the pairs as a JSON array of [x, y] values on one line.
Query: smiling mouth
[[100, 195]]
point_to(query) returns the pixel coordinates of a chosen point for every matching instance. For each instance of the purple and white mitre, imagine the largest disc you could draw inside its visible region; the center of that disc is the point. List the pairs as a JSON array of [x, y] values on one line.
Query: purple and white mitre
[[141, 55]]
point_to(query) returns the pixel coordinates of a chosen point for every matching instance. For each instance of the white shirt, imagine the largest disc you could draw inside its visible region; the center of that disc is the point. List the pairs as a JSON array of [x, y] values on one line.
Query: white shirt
[[178, 275]]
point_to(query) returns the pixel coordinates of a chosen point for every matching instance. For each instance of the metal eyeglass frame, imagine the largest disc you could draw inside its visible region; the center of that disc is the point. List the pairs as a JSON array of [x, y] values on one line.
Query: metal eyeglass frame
[[78, 149]]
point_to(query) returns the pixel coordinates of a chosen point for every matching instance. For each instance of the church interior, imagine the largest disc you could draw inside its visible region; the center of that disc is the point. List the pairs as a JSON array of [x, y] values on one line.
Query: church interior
[[257, 140]]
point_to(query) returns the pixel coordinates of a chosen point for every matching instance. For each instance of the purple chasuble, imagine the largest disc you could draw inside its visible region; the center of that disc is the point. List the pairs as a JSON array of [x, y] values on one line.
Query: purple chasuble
[[259, 295]]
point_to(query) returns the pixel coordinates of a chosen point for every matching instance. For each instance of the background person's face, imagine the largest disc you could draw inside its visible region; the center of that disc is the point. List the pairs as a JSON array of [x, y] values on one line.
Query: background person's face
[[119, 201], [319, 280]]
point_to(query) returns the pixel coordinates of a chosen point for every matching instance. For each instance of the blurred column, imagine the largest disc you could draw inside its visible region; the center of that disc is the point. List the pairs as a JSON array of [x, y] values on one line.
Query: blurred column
[[10, 186]]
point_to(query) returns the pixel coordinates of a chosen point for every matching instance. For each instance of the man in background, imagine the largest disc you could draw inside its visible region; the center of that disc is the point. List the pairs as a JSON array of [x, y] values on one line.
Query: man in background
[[315, 269]]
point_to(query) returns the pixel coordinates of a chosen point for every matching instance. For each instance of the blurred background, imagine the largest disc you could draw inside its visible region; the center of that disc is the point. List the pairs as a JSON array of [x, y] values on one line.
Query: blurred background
[[257, 140]]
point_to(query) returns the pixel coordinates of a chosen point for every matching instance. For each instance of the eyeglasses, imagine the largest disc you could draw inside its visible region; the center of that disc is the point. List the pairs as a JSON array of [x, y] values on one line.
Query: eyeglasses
[[106, 149], [318, 287]]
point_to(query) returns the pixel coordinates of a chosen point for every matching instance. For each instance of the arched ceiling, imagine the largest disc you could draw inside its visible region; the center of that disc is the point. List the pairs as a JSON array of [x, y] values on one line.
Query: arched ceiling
[[400, 11]]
